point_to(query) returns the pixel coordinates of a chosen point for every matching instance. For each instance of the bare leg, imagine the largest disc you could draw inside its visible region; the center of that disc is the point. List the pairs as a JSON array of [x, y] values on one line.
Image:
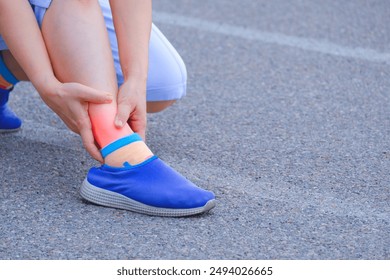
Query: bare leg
[[158, 106], [77, 42], [17, 71]]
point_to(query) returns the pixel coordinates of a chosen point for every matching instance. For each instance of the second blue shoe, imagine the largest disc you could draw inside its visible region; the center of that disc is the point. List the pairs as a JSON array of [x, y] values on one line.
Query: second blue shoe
[[9, 122], [151, 188]]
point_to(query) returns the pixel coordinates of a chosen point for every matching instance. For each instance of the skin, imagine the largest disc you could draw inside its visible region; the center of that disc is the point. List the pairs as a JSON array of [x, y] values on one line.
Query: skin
[[80, 86], [92, 65]]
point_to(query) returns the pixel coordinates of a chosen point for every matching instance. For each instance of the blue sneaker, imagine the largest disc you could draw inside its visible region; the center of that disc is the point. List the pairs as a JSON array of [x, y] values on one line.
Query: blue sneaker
[[9, 122], [151, 188]]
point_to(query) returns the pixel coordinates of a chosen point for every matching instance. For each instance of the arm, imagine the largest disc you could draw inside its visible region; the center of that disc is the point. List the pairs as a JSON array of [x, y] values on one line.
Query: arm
[[21, 32], [22, 35], [133, 21]]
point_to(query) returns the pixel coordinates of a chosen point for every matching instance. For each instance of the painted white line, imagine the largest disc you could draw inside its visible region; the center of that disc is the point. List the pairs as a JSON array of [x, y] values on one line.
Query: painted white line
[[308, 44]]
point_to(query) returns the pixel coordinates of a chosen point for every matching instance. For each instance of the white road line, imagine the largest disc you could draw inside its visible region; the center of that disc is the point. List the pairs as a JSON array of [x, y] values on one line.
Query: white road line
[[307, 44]]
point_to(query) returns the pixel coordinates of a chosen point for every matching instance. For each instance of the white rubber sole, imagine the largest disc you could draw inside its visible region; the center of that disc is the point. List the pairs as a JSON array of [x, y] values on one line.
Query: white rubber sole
[[111, 199], [10, 130]]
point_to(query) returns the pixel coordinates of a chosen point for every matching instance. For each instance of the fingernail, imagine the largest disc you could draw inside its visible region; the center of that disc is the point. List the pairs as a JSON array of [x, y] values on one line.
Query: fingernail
[[118, 123]]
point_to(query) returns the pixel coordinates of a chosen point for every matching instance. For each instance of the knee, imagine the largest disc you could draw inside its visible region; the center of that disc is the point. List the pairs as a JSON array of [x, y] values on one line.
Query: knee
[[158, 106], [167, 77], [170, 85]]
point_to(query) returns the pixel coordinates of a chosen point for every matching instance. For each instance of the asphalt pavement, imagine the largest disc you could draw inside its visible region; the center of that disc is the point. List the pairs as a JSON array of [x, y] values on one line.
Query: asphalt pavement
[[287, 120]]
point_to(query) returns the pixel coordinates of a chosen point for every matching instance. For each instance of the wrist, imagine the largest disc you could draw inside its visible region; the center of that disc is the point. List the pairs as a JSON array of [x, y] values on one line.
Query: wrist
[[137, 77], [136, 83], [46, 85], [136, 70]]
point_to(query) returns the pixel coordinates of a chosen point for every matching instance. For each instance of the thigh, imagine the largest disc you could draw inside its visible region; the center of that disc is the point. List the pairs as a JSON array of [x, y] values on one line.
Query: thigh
[[77, 43], [167, 77], [39, 7]]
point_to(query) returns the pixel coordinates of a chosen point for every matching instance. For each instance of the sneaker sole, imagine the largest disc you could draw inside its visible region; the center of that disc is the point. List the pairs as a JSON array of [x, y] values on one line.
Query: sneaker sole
[[111, 199], [9, 130]]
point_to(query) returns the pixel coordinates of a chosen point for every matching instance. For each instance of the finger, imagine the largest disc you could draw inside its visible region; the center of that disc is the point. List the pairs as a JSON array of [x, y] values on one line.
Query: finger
[[139, 128], [89, 141], [137, 123], [123, 114], [92, 95], [90, 145]]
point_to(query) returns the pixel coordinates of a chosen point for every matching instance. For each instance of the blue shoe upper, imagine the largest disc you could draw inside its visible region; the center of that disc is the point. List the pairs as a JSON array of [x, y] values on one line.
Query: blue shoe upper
[[153, 183], [8, 119]]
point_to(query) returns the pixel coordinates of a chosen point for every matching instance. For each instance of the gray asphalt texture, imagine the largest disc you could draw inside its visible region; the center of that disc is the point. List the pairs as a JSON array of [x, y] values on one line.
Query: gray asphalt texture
[[294, 142]]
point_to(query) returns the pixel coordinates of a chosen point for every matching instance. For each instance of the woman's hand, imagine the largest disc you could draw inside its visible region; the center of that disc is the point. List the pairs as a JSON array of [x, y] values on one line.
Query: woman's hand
[[132, 106], [133, 23], [70, 102]]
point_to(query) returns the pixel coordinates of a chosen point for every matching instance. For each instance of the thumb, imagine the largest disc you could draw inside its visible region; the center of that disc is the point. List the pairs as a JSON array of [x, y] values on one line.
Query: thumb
[[123, 114]]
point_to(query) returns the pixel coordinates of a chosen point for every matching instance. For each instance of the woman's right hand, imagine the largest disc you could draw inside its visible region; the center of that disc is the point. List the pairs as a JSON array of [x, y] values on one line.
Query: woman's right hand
[[70, 102]]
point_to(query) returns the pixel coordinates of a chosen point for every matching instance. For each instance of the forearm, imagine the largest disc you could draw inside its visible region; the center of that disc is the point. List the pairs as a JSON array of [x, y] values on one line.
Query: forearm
[[133, 20], [21, 32]]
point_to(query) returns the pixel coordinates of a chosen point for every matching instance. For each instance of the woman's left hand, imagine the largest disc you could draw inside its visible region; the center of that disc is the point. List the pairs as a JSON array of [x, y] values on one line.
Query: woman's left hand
[[132, 106]]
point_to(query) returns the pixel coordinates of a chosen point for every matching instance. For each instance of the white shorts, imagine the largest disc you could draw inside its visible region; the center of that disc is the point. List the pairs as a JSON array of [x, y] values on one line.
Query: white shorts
[[167, 76]]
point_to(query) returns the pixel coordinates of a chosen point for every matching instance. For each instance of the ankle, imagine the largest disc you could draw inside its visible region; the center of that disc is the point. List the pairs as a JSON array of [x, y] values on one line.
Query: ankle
[[128, 150], [134, 153]]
